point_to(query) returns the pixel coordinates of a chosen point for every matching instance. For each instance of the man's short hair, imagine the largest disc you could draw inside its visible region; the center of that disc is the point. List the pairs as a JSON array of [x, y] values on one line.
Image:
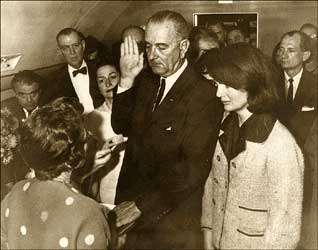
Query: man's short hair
[[68, 31], [196, 35], [26, 77], [181, 26], [309, 25], [214, 22], [239, 30], [132, 27], [305, 44]]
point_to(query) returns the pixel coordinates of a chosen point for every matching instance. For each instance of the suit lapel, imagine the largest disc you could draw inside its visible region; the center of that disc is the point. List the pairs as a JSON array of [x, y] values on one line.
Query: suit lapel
[[180, 87], [68, 87], [301, 91], [151, 97]]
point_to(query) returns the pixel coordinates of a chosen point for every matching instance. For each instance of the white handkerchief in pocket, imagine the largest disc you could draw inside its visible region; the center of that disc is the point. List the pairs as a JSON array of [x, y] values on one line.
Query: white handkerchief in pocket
[[306, 108], [168, 128]]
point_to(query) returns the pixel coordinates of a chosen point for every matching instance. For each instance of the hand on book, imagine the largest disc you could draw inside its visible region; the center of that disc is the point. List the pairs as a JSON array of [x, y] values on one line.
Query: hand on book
[[126, 212]]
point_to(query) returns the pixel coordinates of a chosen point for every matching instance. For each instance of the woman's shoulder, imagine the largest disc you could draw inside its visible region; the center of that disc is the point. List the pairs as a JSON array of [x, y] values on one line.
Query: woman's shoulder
[[281, 140], [57, 191]]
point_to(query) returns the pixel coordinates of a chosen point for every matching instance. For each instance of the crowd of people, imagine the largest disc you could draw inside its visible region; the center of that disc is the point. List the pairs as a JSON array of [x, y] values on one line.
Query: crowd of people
[[178, 138]]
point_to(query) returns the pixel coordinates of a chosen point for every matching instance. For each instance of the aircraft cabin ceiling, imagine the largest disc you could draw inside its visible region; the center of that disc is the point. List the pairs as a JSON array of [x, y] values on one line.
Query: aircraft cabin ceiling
[[28, 28]]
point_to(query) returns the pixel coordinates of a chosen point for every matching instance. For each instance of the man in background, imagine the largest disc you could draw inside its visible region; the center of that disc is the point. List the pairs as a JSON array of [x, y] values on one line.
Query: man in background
[[218, 28], [134, 31], [27, 87], [236, 35], [298, 111], [77, 78], [311, 31], [298, 89]]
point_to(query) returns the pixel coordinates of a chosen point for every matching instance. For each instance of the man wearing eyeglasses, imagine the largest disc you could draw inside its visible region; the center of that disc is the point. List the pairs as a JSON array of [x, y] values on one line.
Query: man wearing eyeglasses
[[77, 78]]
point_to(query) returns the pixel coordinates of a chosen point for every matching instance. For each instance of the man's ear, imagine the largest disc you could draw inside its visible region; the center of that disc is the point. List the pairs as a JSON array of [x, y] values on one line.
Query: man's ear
[[58, 50], [83, 44], [184, 46], [306, 55]]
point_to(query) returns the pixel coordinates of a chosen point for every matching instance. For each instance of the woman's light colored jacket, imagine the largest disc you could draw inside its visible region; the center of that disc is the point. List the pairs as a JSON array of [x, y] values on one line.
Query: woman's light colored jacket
[[255, 202]]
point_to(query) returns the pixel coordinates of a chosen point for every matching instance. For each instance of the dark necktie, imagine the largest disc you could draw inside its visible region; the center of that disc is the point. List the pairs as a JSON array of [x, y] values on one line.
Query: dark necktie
[[80, 71], [290, 92], [159, 94]]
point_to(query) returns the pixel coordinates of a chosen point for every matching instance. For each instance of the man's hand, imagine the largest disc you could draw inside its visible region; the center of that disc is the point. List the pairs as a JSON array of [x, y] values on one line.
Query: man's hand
[[126, 212], [101, 157], [131, 62], [208, 239]]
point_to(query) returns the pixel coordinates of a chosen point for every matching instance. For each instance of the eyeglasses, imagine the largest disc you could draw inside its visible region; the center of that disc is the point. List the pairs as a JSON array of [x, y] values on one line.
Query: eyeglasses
[[68, 48]]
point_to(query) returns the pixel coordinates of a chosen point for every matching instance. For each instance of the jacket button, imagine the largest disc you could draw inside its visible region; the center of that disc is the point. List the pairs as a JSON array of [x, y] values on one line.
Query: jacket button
[[233, 165], [218, 158], [215, 180]]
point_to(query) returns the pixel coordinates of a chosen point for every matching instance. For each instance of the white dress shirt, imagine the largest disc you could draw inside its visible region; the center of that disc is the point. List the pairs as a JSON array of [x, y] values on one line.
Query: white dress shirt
[[27, 113], [81, 85], [170, 80], [296, 80]]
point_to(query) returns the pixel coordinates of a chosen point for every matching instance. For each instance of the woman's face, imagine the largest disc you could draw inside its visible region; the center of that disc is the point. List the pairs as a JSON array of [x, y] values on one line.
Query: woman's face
[[232, 99], [107, 78]]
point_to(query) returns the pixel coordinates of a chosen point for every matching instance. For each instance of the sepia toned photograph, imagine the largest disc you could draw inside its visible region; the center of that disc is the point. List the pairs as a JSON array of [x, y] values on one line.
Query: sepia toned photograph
[[241, 26], [159, 125]]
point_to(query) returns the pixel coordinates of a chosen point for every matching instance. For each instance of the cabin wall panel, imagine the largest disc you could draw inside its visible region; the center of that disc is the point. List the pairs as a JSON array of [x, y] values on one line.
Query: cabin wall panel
[[275, 18], [30, 27]]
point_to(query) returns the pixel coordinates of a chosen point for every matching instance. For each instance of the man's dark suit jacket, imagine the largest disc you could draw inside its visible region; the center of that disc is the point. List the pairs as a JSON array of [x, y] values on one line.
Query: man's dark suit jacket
[[168, 157], [60, 84], [300, 122], [297, 121]]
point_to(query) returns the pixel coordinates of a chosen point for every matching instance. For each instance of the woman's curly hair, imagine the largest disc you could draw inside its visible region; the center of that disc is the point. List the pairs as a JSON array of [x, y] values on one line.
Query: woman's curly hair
[[53, 138]]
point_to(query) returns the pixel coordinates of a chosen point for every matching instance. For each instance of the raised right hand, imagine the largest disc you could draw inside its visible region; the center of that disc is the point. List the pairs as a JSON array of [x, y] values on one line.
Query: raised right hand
[[131, 62]]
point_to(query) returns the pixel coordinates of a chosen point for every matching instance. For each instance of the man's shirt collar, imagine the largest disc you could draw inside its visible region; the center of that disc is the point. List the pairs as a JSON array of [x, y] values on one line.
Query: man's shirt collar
[[71, 69], [174, 77]]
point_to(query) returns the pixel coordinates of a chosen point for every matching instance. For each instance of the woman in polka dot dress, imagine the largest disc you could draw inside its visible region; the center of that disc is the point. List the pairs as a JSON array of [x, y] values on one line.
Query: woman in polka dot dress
[[46, 212]]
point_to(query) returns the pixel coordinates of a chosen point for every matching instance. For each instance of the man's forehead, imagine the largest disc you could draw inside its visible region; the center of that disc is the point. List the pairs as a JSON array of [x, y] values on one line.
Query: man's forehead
[[235, 33], [215, 27], [69, 38], [293, 40], [134, 32], [309, 30], [160, 32], [26, 87]]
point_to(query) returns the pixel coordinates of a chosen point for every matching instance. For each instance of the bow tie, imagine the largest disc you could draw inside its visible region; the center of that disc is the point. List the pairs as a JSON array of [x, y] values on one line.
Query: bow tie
[[80, 71]]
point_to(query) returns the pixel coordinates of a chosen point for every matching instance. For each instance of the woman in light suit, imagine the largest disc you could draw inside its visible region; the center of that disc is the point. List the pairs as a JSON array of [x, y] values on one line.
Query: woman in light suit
[[253, 195]]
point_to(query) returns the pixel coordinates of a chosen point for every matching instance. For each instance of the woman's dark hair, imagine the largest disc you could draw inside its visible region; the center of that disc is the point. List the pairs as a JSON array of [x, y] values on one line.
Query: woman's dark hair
[[242, 66], [53, 138], [109, 61]]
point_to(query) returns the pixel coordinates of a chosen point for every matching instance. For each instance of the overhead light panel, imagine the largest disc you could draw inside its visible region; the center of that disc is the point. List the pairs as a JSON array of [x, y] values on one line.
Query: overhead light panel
[[9, 62], [225, 1]]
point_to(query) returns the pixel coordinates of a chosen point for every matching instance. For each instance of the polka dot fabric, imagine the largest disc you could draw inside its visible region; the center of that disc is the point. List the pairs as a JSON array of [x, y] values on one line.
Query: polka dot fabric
[[51, 215]]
